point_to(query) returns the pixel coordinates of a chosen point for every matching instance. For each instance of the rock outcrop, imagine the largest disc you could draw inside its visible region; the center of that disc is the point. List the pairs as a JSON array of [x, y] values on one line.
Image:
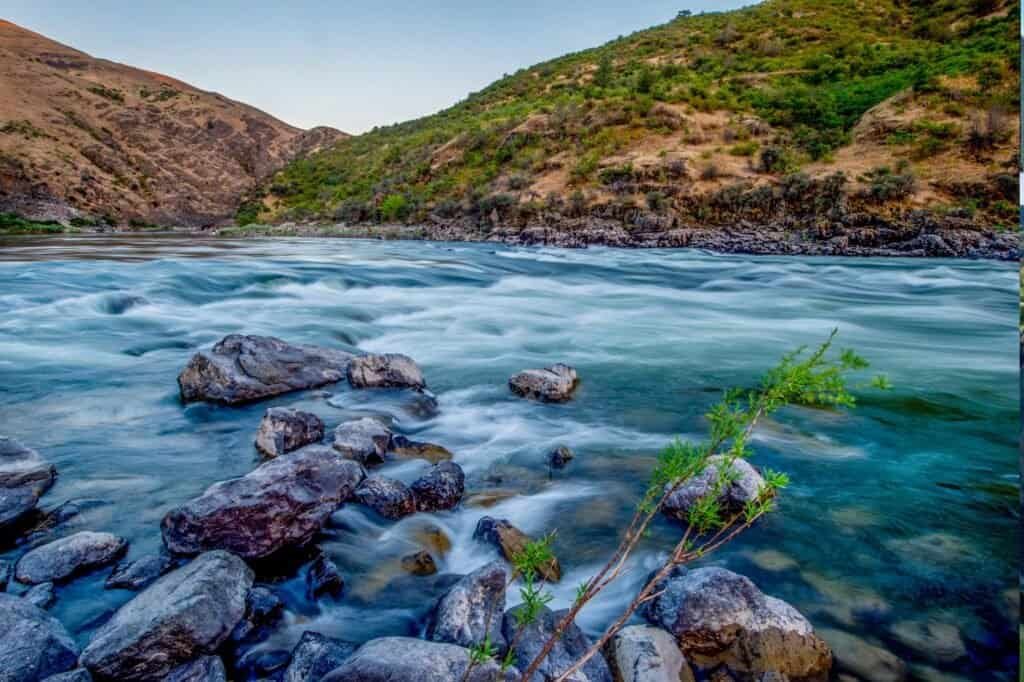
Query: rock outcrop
[[554, 384], [390, 659], [283, 430], [61, 559], [24, 477], [390, 370], [34, 644], [472, 609]]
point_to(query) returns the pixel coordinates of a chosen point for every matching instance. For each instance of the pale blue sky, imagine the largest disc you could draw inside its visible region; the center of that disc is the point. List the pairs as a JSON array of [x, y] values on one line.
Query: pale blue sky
[[349, 65]]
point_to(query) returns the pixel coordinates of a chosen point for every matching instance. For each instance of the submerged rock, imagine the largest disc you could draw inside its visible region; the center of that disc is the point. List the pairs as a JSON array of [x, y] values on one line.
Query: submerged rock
[[282, 503], [316, 655], [42, 595], [420, 563], [390, 370], [720, 618], [137, 574], [241, 369], [390, 659], [744, 486], [390, 498], [34, 644], [24, 477], [283, 429], [641, 653], [560, 457], [323, 577], [441, 488], [61, 559], [865, 660], [567, 649], [435, 454], [472, 609], [205, 669], [186, 614], [364, 440], [553, 384], [510, 541]]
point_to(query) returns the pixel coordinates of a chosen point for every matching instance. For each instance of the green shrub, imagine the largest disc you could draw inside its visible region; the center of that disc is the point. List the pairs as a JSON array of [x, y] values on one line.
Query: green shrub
[[395, 207]]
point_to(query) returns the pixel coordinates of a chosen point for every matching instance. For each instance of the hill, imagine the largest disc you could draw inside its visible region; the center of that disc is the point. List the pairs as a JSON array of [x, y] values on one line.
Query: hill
[[810, 115], [90, 140]]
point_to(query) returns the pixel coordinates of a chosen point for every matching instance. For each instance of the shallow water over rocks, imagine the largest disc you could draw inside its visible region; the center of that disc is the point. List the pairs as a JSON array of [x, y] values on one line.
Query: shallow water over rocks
[[898, 532]]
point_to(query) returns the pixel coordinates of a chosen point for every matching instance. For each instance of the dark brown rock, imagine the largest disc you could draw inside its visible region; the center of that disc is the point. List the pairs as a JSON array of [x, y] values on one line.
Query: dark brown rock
[[441, 488], [390, 498], [283, 429]]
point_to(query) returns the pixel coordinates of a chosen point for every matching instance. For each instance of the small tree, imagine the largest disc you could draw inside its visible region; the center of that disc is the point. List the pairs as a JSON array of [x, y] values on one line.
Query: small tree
[[394, 207], [603, 75]]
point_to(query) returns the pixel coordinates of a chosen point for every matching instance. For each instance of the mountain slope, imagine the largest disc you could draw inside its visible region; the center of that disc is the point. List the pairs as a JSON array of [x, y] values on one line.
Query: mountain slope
[[707, 120], [88, 138]]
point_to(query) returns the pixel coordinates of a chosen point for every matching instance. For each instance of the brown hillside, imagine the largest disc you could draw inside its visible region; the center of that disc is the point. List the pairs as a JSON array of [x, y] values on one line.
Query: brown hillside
[[81, 136]]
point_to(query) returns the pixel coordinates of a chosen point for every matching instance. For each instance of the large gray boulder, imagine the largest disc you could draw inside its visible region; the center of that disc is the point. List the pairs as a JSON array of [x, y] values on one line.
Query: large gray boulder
[[568, 649], [720, 618], [365, 440], [281, 503], [553, 384], [390, 659], [316, 655], [283, 429], [241, 369], [641, 653], [472, 609], [744, 485], [184, 615], [34, 645], [24, 477], [205, 669], [63, 558], [389, 370], [441, 488], [390, 498]]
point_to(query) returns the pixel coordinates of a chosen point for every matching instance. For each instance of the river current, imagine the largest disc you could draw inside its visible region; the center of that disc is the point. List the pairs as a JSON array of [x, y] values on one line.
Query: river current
[[897, 537]]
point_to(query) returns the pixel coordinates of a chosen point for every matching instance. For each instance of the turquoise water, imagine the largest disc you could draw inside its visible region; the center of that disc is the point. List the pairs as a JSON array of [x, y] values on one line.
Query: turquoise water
[[900, 527]]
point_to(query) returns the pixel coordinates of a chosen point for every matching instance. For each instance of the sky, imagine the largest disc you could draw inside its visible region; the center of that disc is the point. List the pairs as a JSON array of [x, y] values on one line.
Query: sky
[[348, 65]]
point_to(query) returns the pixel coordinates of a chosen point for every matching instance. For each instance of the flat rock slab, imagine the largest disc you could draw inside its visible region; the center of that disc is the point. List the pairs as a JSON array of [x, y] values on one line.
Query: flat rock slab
[[390, 370], [553, 384], [241, 369], [34, 644], [62, 559], [183, 616], [390, 659], [24, 477], [281, 503], [283, 430]]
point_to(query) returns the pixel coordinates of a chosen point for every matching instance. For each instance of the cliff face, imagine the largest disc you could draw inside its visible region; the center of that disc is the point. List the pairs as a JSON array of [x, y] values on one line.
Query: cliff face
[[85, 137]]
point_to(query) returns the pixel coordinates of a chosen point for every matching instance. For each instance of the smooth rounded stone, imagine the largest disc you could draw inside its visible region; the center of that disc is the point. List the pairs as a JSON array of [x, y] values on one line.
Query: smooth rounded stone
[[411, 449], [420, 563], [263, 608], [364, 440], [241, 369], [24, 477], [390, 498], [568, 649], [641, 653], [281, 503], [560, 457], [863, 659], [34, 644], [511, 541], [721, 618], [42, 595], [283, 430], [552, 384], [76, 675], [323, 577], [389, 659], [6, 571], [61, 559], [138, 573], [389, 370], [205, 669], [316, 655], [184, 615], [938, 642], [744, 487], [441, 488], [472, 609]]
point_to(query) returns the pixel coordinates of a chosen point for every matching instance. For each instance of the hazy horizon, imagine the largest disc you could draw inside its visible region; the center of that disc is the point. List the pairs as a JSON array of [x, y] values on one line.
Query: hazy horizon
[[352, 68]]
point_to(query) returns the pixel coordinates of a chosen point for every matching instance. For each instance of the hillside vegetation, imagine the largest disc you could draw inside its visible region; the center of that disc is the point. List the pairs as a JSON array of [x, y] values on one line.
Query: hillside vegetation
[[786, 107]]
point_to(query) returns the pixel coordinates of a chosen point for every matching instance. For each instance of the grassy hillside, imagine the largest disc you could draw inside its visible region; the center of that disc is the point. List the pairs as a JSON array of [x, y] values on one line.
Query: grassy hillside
[[912, 101]]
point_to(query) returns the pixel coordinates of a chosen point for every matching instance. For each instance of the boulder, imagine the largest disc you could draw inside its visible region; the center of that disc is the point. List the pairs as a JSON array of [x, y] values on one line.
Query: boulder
[[745, 486], [24, 477], [411, 449], [261, 664], [441, 488], [241, 369], [472, 609], [566, 651], [61, 559], [283, 429], [76, 675], [560, 457], [281, 503], [390, 370], [323, 577], [390, 498], [365, 440], [720, 618], [184, 615], [42, 595], [420, 563], [34, 644], [641, 653], [510, 541], [138, 573], [315, 656], [263, 608], [553, 384], [205, 669], [390, 659]]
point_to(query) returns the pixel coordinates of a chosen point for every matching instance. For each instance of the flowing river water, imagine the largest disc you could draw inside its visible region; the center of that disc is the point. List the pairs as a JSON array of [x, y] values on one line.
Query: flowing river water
[[897, 537]]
